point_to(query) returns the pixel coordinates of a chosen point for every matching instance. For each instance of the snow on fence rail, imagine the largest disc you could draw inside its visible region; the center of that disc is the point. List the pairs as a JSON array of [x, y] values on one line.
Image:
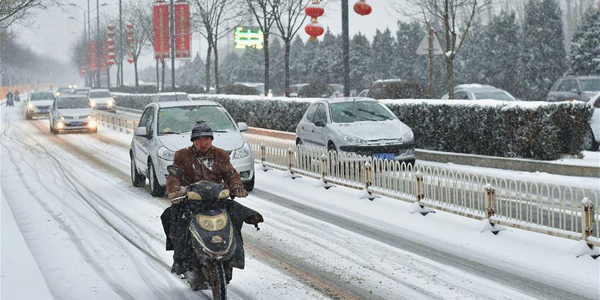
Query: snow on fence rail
[[117, 121], [540, 207]]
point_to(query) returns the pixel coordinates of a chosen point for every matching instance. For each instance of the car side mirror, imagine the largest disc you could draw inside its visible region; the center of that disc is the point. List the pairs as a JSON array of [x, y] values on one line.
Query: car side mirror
[[242, 126], [140, 131], [320, 123]]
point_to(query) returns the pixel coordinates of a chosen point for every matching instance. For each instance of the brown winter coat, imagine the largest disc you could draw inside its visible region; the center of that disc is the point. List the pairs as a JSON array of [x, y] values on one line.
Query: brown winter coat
[[213, 166]]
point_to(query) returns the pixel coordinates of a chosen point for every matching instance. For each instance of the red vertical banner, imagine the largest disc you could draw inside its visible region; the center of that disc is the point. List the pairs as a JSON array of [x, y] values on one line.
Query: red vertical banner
[[161, 30], [103, 58], [93, 57], [182, 29]]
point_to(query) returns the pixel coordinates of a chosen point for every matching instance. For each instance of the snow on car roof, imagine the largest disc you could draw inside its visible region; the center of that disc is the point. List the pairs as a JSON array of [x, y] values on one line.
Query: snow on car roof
[[348, 99], [186, 103]]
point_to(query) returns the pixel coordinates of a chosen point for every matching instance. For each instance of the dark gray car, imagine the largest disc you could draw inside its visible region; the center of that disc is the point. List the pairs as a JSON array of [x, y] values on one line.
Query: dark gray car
[[569, 88]]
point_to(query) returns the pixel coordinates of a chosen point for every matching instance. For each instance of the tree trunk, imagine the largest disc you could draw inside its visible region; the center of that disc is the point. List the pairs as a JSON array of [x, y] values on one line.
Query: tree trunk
[[118, 82], [208, 51], [107, 77], [157, 78], [162, 87], [267, 64], [216, 52], [450, 76], [287, 67], [137, 83]]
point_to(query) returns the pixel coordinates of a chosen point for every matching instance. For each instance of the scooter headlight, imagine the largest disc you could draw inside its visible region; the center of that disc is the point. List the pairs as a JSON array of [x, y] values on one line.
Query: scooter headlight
[[212, 223]]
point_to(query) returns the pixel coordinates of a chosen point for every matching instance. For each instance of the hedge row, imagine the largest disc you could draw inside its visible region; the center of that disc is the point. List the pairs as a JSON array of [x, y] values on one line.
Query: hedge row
[[545, 131]]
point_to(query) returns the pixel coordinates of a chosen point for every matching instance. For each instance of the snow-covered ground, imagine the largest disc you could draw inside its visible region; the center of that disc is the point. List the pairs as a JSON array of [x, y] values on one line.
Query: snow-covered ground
[[94, 236]]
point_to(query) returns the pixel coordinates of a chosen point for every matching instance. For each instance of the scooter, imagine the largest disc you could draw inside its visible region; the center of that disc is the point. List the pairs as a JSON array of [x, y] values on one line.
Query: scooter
[[214, 228]]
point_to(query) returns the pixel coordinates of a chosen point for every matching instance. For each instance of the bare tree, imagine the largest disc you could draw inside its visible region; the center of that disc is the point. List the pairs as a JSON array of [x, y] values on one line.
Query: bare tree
[[18, 10], [289, 16], [263, 12], [139, 14], [213, 15], [453, 26]]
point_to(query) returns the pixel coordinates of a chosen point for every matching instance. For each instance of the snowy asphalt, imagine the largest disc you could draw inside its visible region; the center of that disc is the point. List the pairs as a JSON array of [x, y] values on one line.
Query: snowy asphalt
[[79, 182]]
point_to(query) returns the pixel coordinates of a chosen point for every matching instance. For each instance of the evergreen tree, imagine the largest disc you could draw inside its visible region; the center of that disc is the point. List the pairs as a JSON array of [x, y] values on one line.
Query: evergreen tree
[[297, 66], [543, 59], [276, 69], [408, 65], [331, 50], [584, 57], [382, 56], [191, 73], [360, 55]]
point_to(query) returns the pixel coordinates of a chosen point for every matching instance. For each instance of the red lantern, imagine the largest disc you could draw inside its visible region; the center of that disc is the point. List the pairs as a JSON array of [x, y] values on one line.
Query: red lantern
[[130, 60], [362, 8], [110, 62], [314, 10], [314, 30], [110, 41]]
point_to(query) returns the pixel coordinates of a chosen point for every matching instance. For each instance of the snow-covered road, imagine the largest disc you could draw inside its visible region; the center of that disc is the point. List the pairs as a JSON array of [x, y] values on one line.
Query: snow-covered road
[[95, 236]]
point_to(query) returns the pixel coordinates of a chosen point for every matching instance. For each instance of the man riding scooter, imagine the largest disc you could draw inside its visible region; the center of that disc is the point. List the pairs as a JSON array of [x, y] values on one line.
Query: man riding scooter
[[202, 162]]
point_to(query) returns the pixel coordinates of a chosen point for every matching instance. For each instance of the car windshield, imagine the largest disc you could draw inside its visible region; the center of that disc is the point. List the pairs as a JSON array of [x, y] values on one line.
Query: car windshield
[[78, 102], [176, 120], [590, 85], [356, 111], [503, 96], [180, 97], [42, 96], [102, 94]]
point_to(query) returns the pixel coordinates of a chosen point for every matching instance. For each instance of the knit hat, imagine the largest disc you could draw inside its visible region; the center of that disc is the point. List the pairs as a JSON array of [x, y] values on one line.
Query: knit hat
[[201, 129]]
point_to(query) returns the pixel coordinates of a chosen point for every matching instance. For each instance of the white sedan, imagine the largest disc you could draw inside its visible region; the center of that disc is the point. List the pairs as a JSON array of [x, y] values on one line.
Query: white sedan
[[592, 138], [72, 113]]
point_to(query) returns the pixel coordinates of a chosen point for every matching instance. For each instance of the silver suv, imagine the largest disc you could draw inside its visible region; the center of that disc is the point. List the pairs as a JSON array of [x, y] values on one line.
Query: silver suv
[[357, 125], [165, 127], [570, 88]]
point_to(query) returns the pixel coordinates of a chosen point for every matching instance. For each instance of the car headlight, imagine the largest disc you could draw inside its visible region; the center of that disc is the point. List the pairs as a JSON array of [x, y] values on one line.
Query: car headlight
[[408, 137], [92, 103], [165, 153], [60, 117], [30, 105], [111, 102], [242, 152], [352, 139]]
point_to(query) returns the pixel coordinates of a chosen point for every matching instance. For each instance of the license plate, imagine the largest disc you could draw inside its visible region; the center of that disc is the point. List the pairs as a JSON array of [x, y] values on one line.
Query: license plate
[[102, 107], [76, 123], [384, 156]]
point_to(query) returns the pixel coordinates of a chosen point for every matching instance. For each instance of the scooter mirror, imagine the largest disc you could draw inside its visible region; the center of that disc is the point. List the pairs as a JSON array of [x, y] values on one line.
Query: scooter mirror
[[174, 171]]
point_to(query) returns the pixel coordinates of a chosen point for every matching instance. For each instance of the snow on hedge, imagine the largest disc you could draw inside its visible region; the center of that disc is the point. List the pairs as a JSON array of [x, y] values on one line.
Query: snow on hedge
[[538, 130]]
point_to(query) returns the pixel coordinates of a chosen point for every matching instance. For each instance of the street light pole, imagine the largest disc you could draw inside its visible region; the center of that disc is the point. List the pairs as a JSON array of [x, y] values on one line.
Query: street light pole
[[172, 30], [346, 46], [120, 81], [88, 43], [98, 78]]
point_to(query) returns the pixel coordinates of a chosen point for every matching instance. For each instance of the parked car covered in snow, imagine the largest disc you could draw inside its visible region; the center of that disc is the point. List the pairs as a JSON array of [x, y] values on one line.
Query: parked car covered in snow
[[591, 140], [480, 92], [38, 104], [165, 127], [357, 125], [397, 89], [102, 99], [72, 113], [581, 88]]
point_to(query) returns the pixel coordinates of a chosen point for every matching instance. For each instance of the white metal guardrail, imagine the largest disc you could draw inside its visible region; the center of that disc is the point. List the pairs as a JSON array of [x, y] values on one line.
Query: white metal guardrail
[[545, 208]]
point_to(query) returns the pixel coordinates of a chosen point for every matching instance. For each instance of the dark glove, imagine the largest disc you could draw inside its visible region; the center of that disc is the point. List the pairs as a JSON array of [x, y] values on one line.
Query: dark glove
[[240, 192]]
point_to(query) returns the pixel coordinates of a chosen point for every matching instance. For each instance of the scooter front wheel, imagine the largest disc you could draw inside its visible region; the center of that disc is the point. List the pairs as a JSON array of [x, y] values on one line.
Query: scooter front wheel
[[218, 281]]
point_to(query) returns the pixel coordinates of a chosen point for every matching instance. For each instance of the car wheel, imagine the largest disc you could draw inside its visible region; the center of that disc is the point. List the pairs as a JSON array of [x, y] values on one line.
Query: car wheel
[[298, 141], [137, 179], [249, 186], [156, 189], [589, 142]]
